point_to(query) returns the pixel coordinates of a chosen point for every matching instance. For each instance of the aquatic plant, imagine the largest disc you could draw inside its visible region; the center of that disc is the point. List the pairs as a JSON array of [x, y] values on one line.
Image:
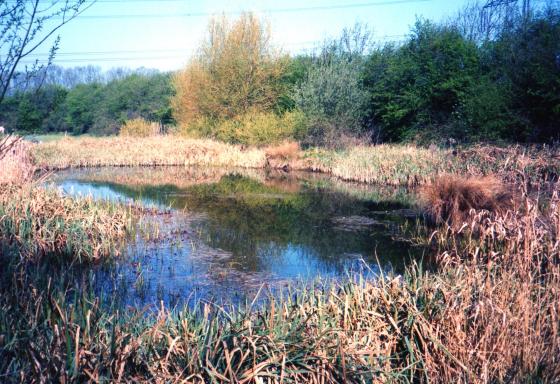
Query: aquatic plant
[[150, 151], [42, 222]]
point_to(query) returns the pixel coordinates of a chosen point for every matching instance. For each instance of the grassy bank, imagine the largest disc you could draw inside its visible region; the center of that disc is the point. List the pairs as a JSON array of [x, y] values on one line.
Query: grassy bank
[[152, 151], [387, 164], [382, 164], [489, 313]]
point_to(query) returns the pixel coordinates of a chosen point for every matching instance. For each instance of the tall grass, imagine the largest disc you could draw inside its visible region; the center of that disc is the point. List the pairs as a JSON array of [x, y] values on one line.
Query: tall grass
[[42, 222], [16, 165], [450, 198], [152, 151], [381, 164]]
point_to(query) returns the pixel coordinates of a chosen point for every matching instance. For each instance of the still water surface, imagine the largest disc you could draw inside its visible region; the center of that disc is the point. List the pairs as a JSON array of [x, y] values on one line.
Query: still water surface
[[223, 234]]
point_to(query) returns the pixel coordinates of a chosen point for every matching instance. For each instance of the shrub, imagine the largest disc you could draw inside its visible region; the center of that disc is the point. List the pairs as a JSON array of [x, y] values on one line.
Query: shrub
[[139, 128], [235, 71], [331, 93], [260, 128], [419, 85]]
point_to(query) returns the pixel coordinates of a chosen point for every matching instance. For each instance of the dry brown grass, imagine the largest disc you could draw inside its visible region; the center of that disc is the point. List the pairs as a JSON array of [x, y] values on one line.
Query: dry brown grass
[[489, 314], [450, 198], [287, 150], [71, 152], [44, 222], [16, 165], [512, 164], [500, 288]]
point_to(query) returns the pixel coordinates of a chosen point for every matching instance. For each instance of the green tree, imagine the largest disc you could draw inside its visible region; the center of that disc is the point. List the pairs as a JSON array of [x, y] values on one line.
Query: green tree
[[331, 93], [418, 87], [528, 54]]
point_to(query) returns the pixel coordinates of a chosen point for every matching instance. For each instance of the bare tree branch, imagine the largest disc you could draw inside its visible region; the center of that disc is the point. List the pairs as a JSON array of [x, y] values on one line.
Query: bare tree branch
[[23, 30]]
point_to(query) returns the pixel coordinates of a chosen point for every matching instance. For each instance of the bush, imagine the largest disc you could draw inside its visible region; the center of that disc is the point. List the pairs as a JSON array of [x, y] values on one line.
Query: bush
[[139, 128], [331, 94], [419, 86], [236, 71], [252, 128]]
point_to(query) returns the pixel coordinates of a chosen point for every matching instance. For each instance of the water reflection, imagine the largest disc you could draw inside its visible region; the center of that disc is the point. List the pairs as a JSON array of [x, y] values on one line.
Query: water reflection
[[226, 232]]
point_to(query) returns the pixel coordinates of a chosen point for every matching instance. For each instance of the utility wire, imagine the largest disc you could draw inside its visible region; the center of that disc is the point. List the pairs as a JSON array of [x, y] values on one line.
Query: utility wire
[[130, 54], [271, 10]]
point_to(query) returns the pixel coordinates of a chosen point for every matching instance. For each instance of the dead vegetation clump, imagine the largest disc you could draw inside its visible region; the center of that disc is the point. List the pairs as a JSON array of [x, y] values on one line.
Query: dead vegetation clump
[[451, 198], [282, 156], [16, 165], [534, 164], [287, 150]]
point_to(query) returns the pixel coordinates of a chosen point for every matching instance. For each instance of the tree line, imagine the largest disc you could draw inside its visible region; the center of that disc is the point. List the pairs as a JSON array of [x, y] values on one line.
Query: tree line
[[488, 74]]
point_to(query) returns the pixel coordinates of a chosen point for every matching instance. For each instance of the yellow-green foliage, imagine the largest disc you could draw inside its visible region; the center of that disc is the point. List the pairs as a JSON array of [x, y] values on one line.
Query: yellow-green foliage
[[236, 70], [139, 128], [198, 128], [259, 128]]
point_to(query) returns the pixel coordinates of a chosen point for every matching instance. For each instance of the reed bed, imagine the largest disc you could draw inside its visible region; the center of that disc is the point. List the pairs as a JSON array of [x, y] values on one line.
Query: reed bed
[[382, 164], [406, 165], [72, 152], [488, 314], [388, 164], [514, 164], [41, 222]]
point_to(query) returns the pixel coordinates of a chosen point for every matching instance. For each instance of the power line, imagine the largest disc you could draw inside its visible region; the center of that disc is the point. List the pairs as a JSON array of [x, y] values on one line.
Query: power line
[[129, 54], [272, 10]]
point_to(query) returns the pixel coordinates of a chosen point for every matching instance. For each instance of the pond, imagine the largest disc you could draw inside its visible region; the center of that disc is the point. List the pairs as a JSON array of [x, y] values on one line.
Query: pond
[[223, 234]]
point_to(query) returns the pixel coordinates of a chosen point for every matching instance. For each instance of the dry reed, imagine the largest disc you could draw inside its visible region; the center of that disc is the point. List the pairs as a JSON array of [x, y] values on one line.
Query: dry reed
[[450, 198], [42, 222], [382, 164], [16, 165], [153, 151]]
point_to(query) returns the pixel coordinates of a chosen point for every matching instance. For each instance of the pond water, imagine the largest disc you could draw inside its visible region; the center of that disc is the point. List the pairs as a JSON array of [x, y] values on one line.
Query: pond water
[[219, 234]]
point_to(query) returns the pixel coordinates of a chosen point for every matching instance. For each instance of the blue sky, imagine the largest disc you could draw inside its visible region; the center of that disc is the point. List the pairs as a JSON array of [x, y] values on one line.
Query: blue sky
[[163, 33]]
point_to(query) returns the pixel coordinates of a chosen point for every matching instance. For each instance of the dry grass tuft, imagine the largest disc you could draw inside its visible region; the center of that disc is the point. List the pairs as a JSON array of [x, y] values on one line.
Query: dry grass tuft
[[287, 150], [450, 198], [281, 155], [16, 165]]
